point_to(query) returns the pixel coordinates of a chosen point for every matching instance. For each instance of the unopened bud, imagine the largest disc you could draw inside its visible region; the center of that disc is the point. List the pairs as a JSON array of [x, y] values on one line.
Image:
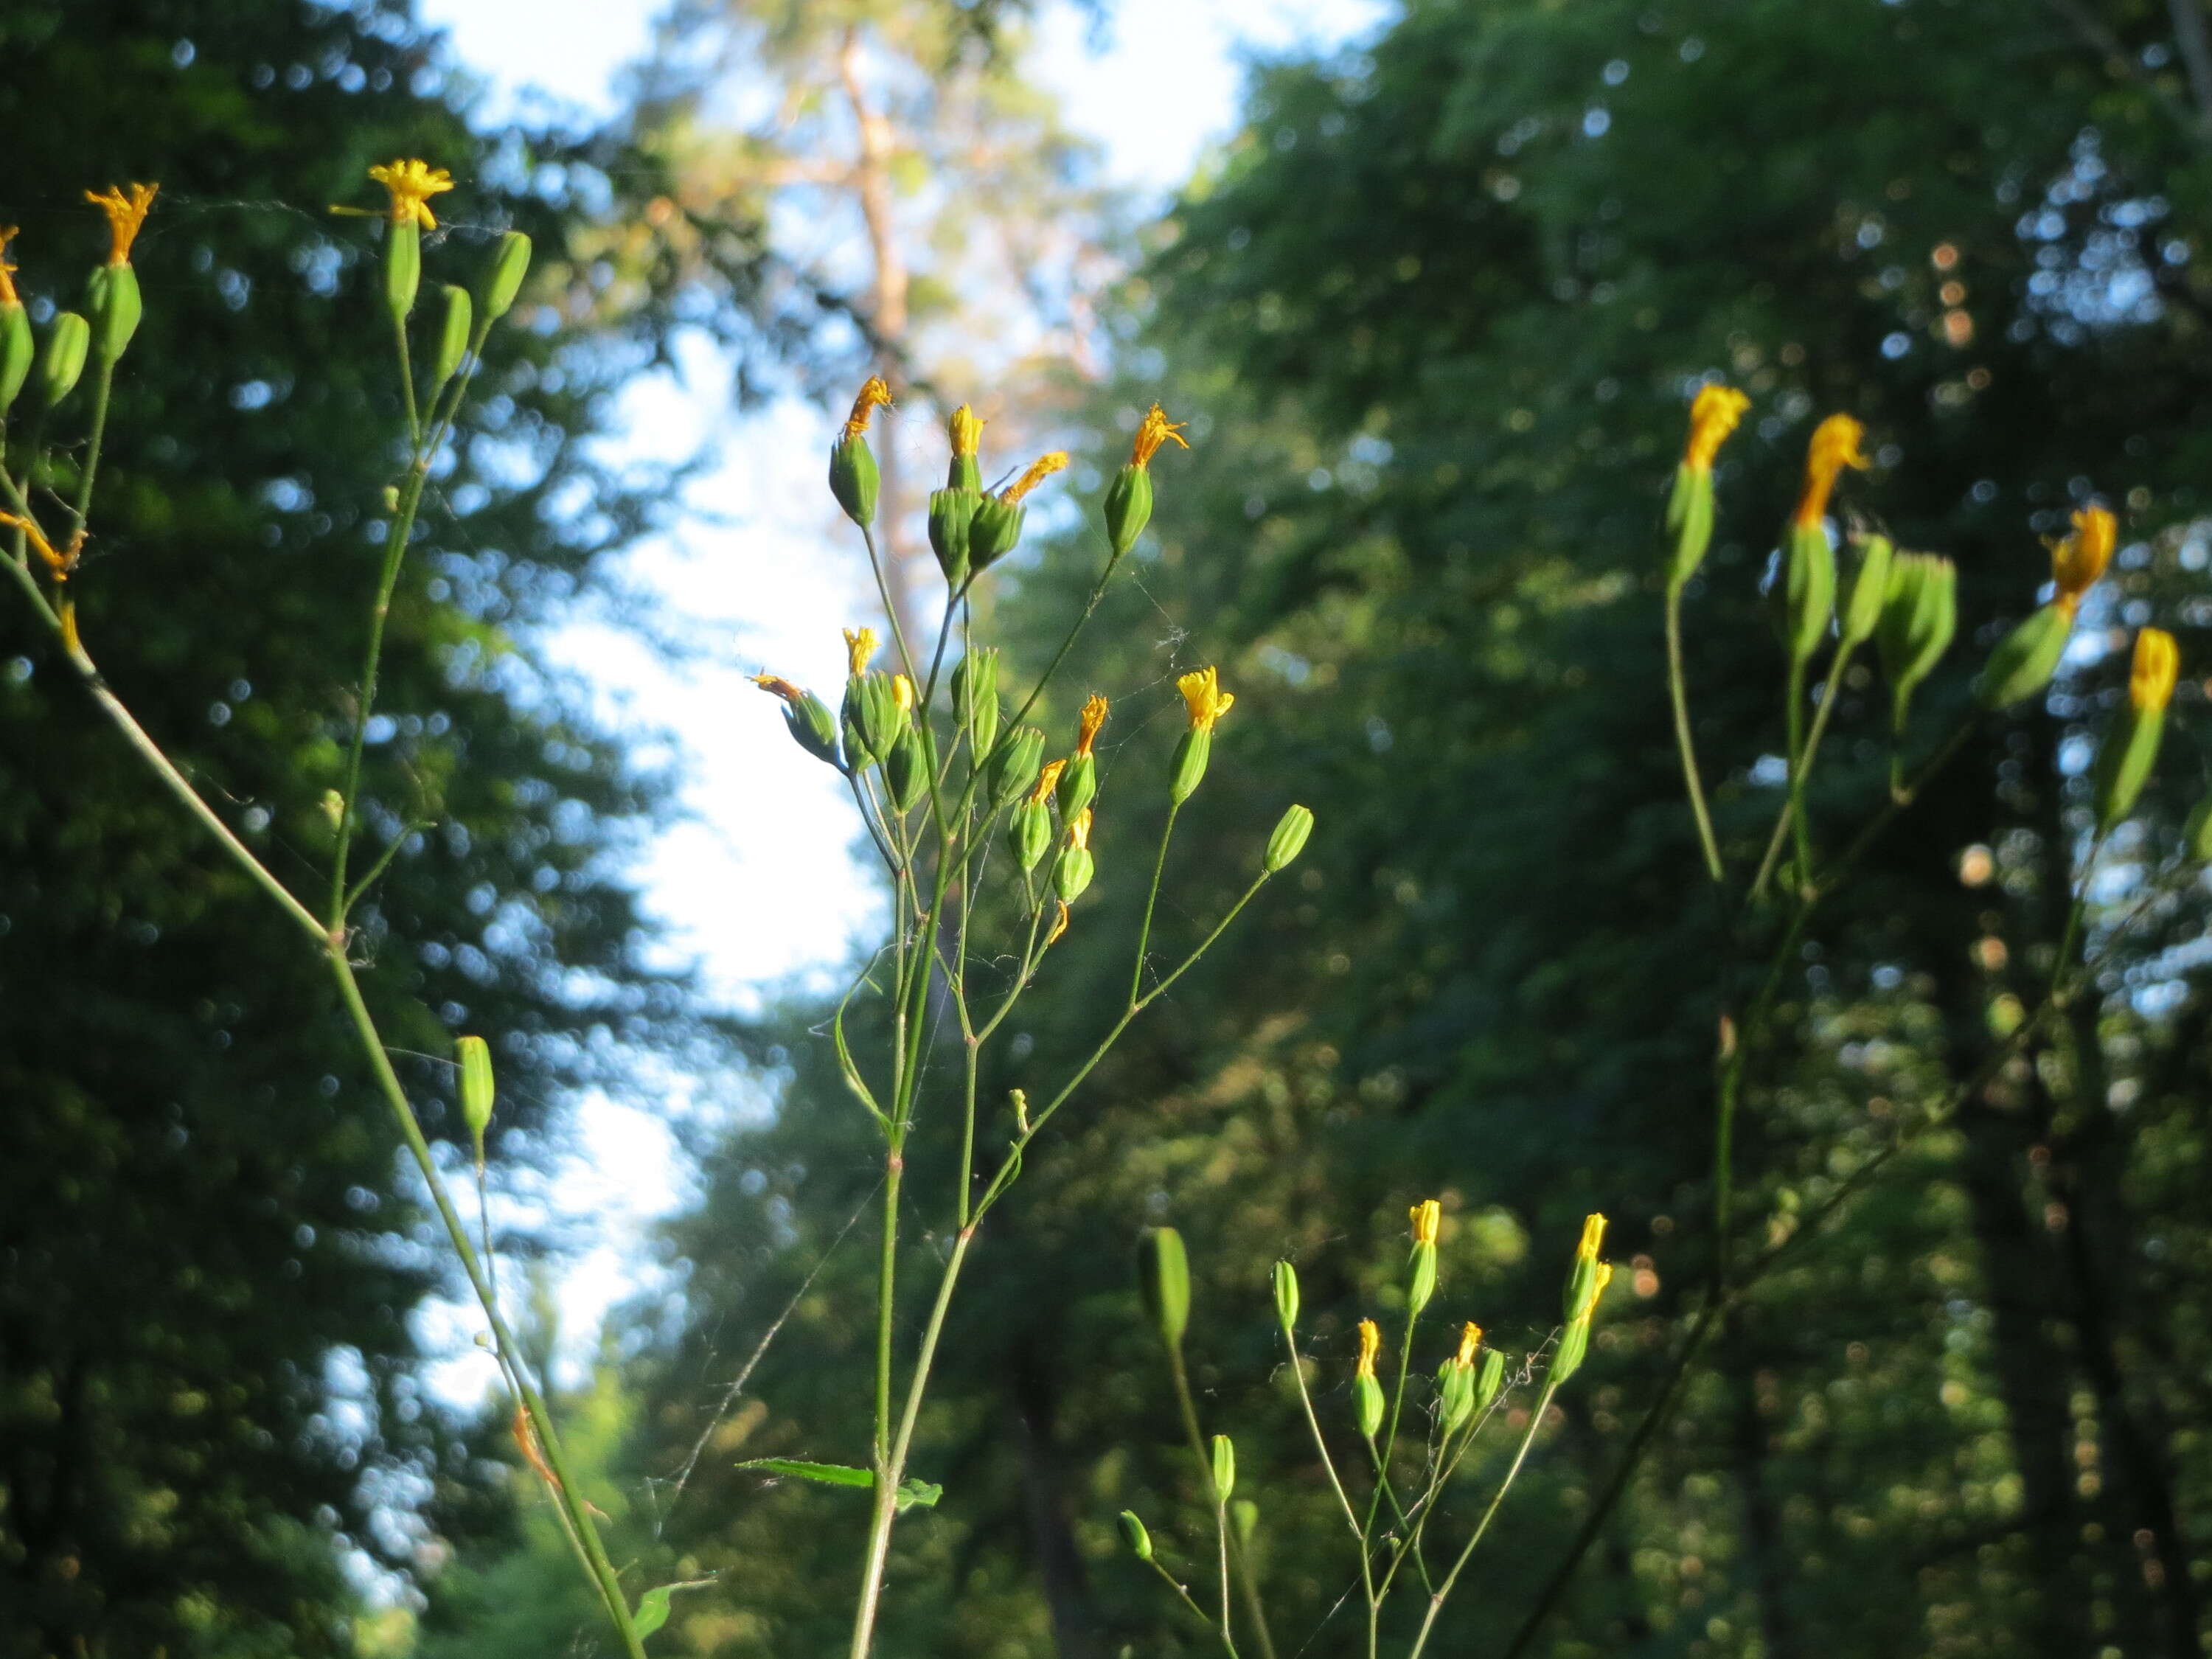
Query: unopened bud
[[113, 301], [1289, 839], [854, 480], [1014, 765], [1690, 520], [1073, 872], [1078, 785], [992, 531], [1128, 507], [1164, 1277], [1286, 1294], [1188, 770], [62, 363], [1805, 597], [18, 351], [1869, 590], [1224, 1468], [1029, 832], [1367, 1404], [510, 263], [1134, 1538], [452, 338], [906, 770], [474, 1054], [1919, 614], [976, 698], [2026, 659], [950, 514], [403, 265]]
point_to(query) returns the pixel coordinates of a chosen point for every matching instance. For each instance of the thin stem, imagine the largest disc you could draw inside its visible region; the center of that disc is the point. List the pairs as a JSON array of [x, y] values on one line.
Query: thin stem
[[1436, 1599], [1231, 1550], [1152, 898], [100, 388], [395, 551], [1336, 1486], [1793, 804], [886, 1281], [407, 382], [883, 592], [1203, 1618], [1795, 710], [1677, 689]]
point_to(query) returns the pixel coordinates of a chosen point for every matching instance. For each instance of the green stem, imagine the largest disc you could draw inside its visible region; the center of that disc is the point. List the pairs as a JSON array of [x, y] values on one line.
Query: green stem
[[1152, 898], [407, 383], [101, 389], [1678, 690], [883, 592], [1232, 1552], [1437, 1598], [1203, 1618], [1801, 767], [1336, 1486], [1795, 716]]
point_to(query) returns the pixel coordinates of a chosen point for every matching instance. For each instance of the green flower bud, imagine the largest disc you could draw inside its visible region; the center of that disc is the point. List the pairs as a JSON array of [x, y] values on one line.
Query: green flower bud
[[1286, 1294], [1014, 765], [1690, 520], [1128, 507], [474, 1055], [1072, 874], [1244, 1517], [854, 479], [994, 530], [403, 266], [2197, 834], [951, 511], [2131, 747], [2026, 659], [18, 350], [1029, 832], [1869, 590], [1919, 614], [112, 300], [452, 338], [1574, 1346], [1188, 770], [1078, 785], [1367, 1404], [906, 770], [510, 263], [1134, 1538], [1421, 1282], [812, 725], [976, 698], [877, 704], [1224, 1468], [1805, 597], [1455, 1394], [1289, 839], [1490, 1376], [62, 363], [1164, 1276]]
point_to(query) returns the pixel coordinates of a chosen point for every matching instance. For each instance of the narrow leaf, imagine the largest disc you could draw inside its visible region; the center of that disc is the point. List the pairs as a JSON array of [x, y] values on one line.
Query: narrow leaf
[[830, 1474], [652, 1607]]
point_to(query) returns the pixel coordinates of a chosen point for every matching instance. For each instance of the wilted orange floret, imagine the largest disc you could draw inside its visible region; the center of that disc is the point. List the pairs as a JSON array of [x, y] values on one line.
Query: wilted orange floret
[[2150, 678], [1835, 446], [1152, 431], [2077, 561], [1040, 469], [411, 184], [125, 215], [1047, 780], [781, 687], [1470, 1339], [873, 395], [1087, 724], [1059, 925], [1203, 695], [1079, 832], [6, 284], [1713, 415]]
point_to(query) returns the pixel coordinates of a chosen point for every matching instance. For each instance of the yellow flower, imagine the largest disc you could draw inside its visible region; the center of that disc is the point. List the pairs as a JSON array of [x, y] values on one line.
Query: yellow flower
[[1426, 1215], [859, 645], [7, 286], [1087, 723], [966, 428], [781, 687], [1040, 469], [1604, 1279], [874, 395], [125, 214], [1713, 415], [1059, 925], [1835, 446], [1592, 1238], [411, 184], [1152, 431], [1203, 695], [1079, 832], [1371, 1345], [1047, 780], [2080, 560], [1470, 1339], [2150, 680]]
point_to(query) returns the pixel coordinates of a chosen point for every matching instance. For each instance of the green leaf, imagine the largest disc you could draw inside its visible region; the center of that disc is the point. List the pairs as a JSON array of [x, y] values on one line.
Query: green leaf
[[918, 1494], [830, 1474], [652, 1607]]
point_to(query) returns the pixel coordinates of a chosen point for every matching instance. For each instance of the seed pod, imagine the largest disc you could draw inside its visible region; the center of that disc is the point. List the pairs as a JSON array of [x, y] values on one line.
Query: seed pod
[[1244, 1519], [1690, 520], [854, 480], [1286, 1294], [976, 698], [1367, 1403], [1289, 839], [1014, 765], [1029, 832], [1188, 770], [1919, 614], [403, 265], [1078, 785], [1869, 590], [18, 351], [1128, 507], [113, 301], [1805, 597], [992, 531], [2026, 659], [1164, 1276], [62, 363], [950, 513], [1134, 1538], [510, 263], [1224, 1468], [907, 769], [452, 338], [474, 1054]]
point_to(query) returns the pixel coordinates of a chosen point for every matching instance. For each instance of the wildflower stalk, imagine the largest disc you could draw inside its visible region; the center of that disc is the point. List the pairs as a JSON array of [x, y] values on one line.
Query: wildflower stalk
[[102, 386], [1793, 806], [1152, 898], [1437, 1596], [1679, 694]]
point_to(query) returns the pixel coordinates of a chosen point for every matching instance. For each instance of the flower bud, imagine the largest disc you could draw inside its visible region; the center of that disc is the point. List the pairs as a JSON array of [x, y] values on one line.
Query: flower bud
[[1187, 770], [1224, 1468], [2026, 659], [1490, 1376], [112, 302], [1805, 597], [1164, 1276], [813, 727], [1919, 614], [1014, 765], [1690, 520], [950, 513], [1869, 590], [993, 532], [1455, 1394], [1367, 1404], [1134, 1538], [62, 363], [18, 350], [1128, 507], [1286, 1294], [1244, 1519], [1072, 875], [2197, 834], [403, 265], [976, 698], [1289, 839], [1574, 1347], [452, 338], [510, 263], [906, 770], [1029, 832], [854, 479], [474, 1055], [2130, 747], [872, 704], [1079, 784]]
